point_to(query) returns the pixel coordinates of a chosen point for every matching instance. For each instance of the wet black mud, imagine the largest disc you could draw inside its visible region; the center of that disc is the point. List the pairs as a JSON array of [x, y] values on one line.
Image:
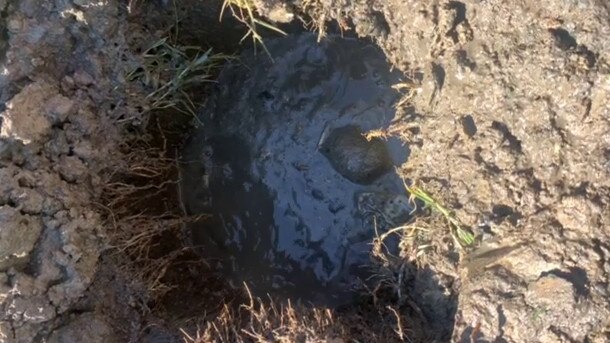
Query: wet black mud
[[296, 191]]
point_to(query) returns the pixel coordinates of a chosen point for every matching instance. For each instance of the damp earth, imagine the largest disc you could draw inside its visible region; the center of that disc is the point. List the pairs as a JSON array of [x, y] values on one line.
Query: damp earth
[[281, 160]]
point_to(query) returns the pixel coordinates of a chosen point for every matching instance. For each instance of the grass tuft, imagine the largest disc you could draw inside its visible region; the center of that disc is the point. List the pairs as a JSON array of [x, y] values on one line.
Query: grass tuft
[[462, 235], [170, 71], [245, 12]]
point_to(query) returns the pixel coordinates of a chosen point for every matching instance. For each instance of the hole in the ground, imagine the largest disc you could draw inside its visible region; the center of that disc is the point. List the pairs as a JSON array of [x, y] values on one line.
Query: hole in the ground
[[294, 186]]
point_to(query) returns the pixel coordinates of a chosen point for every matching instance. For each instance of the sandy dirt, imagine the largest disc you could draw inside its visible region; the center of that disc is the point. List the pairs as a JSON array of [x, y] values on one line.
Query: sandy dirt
[[508, 124]]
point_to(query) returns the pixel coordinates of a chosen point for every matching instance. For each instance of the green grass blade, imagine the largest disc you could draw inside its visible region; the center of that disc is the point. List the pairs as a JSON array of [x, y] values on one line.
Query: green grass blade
[[464, 237]]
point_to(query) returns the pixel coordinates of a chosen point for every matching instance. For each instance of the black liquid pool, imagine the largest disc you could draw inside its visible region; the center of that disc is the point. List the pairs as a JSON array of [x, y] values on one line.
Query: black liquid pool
[[294, 189]]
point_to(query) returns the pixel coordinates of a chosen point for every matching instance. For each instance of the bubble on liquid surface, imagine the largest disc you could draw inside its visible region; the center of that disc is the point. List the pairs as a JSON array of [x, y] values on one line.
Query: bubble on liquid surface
[[294, 188]]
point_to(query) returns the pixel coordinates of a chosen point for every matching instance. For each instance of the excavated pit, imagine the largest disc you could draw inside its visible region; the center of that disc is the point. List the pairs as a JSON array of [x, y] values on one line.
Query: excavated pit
[[295, 189]]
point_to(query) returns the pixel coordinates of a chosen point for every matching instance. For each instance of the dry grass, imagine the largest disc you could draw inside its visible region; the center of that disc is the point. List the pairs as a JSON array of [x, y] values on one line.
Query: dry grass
[[267, 321], [408, 89], [399, 129], [139, 238], [420, 242], [421, 234], [420, 246], [245, 12]]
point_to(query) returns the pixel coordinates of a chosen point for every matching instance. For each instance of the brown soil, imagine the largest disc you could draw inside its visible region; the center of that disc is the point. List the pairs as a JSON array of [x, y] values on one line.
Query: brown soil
[[508, 125]]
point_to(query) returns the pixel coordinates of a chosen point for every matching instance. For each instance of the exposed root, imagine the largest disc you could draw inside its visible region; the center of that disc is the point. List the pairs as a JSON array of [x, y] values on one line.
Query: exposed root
[[319, 17], [147, 220], [259, 321], [399, 328], [266, 321]]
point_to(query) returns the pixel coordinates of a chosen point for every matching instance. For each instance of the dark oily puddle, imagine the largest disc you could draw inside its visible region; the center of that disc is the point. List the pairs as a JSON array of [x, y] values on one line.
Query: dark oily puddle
[[295, 189]]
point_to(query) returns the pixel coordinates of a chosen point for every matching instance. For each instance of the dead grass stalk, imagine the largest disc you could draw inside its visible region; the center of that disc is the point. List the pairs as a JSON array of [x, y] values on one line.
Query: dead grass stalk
[[245, 12]]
